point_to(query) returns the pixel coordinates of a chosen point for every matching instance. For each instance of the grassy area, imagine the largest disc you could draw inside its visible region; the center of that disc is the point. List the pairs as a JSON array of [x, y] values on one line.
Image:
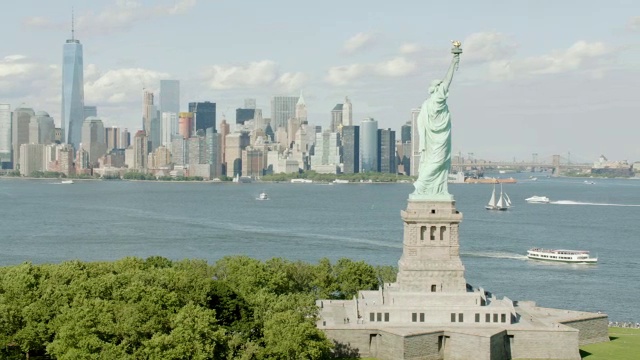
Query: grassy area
[[624, 345]]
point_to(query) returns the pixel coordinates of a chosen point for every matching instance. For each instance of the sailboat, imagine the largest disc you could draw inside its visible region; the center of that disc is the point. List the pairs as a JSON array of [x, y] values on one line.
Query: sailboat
[[503, 201]]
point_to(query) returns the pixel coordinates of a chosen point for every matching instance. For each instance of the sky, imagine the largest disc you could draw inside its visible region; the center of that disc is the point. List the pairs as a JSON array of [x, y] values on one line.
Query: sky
[[539, 76]]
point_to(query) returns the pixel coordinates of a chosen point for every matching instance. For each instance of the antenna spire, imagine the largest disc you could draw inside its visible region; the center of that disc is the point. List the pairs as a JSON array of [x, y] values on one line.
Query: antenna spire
[[72, 25]]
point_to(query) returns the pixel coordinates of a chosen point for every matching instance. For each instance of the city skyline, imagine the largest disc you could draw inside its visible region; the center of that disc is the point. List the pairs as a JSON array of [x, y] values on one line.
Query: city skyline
[[544, 85]]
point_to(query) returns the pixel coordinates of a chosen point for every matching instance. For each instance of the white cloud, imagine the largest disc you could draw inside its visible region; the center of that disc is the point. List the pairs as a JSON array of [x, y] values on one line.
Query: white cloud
[[395, 67], [357, 42], [580, 56], [120, 15], [410, 48], [291, 82], [344, 74], [256, 74], [119, 86], [487, 46]]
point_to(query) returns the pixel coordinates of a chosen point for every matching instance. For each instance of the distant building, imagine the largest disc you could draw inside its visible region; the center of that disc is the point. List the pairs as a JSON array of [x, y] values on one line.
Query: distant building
[[140, 150], [387, 151], [197, 147], [243, 115], [90, 111], [253, 162], [234, 144], [169, 128], [185, 124], [214, 152], [351, 149], [204, 115], [301, 112], [368, 145], [125, 139], [282, 109], [326, 158], [20, 130], [405, 132], [72, 91], [169, 96], [6, 161], [415, 142], [32, 158], [93, 139], [336, 117], [41, 128], [112, 137], [347, 112]]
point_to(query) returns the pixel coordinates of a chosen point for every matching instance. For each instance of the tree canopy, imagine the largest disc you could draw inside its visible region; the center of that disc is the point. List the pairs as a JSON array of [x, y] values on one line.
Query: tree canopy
[[155, 308]]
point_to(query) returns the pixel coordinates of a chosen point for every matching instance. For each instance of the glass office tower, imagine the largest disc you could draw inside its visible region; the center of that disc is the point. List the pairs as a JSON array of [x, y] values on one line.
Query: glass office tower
[[72, 91]]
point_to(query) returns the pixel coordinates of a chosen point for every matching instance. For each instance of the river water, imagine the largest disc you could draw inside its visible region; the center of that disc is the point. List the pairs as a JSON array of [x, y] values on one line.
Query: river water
[[43, 221]]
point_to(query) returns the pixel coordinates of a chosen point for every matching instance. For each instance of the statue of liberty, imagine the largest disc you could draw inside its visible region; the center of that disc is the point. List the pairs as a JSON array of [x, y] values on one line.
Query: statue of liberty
[[434, 129]]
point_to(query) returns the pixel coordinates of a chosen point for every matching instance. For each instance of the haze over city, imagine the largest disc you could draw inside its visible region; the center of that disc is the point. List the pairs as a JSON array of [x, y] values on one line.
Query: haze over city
[[536, 76]]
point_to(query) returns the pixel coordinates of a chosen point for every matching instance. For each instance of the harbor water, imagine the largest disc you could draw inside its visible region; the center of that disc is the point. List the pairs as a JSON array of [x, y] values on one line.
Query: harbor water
[[43, 221]]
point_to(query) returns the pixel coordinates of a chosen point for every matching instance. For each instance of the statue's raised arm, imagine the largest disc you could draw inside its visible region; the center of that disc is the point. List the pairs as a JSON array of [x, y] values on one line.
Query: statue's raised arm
[[434, 130], [446, 82]]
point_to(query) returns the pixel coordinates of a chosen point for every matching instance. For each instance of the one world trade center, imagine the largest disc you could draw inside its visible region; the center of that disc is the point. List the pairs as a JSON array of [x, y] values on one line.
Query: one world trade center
[[72, 91]]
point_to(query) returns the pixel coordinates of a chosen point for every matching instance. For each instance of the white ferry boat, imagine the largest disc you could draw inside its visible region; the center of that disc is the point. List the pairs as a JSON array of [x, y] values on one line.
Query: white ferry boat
[[535, 199], [301, 181], [66, 182], [568, 256]]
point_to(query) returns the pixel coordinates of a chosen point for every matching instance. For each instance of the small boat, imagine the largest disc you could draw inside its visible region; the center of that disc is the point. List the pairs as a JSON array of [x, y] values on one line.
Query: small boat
[[263, 196], [589, 182], [340, 181], [502, 204], [535, 199], [534, 179], [66, 182], [568, 256]]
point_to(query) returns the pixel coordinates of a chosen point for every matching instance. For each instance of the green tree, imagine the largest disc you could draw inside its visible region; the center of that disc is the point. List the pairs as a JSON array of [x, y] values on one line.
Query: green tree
[[194, 335]]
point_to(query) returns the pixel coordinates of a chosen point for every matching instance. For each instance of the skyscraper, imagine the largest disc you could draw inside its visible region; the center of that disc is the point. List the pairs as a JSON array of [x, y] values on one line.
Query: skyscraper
[[5, 136], [204, 115], [336, 117], [112, 137], [125, 139], [301, 112], [169, 127], [415, 142], [41, 128], [350, 149], [151, 120], [90, 111], [387, 151], [170, 96], [93, 141], [20, 131], [282, 108], [347, 112], [405, 132], [368, 145], [72, 90]]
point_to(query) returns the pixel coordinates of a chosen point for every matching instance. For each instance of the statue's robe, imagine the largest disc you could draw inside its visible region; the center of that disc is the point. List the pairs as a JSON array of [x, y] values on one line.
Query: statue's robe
[[434, 126]]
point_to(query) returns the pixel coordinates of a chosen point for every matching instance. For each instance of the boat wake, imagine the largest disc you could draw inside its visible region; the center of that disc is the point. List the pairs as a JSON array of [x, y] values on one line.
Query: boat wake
[[569, 202], [495, 255]]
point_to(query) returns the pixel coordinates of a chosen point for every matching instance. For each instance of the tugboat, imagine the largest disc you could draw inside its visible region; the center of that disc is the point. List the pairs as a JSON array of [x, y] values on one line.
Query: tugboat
[[263, 196]]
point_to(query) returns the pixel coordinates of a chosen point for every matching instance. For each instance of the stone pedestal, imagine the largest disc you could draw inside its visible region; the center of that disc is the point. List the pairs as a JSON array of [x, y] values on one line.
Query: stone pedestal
[[430, 259]]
